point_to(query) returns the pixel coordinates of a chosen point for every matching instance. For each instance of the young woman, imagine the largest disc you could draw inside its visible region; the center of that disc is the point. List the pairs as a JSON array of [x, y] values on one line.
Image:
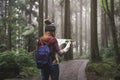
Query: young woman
[[49, 39]]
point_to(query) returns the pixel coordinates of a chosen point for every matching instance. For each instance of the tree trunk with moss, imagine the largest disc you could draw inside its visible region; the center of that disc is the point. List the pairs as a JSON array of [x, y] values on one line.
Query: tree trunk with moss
[[67, 29], [110, 13], [94, 36], [114, 33]]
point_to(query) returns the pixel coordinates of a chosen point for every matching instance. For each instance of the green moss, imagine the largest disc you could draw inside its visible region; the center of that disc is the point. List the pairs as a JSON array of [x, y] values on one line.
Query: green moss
[[103, 70]]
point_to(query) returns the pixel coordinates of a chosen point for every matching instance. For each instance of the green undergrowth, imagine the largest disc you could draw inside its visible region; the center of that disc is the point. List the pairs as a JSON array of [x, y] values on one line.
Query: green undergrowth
[[15, 64], [107, 69], [102, 71]]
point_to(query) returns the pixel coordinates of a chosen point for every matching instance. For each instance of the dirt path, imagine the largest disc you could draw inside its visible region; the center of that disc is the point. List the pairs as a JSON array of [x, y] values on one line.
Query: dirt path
[[73, 70]]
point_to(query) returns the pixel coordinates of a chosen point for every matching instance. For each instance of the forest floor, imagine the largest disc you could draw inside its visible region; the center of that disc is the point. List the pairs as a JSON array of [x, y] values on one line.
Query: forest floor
[[69, 70], [72, 70]]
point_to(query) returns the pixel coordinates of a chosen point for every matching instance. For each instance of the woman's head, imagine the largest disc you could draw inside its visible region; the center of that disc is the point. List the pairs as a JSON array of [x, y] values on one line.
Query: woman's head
[[47, 35], [50, 29]]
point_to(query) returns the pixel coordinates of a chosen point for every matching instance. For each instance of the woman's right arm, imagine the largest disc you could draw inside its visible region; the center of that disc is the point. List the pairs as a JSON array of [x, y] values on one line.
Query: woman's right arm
[[61, 51]]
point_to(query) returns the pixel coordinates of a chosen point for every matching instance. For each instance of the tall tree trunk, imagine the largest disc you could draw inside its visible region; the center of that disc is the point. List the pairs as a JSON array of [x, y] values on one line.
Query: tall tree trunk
[[9, 25], [67, 26], [104, 39], [40, 19], [46, 8], [62, 20], [89, 26], [2, 27], [94, 36], [114, 33], [76, 30], [109, 36], [81, 51], [119, 25], [5, 22], [53, 11], [86, 32], [1, 9], [5, 15], [110, 13]]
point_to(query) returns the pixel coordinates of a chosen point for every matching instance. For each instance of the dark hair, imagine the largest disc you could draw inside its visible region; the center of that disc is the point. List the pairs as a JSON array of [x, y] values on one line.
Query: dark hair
[[50, 28]]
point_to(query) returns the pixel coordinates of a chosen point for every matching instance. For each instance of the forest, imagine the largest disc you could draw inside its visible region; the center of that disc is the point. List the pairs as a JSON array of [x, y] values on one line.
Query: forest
[[92, 25]]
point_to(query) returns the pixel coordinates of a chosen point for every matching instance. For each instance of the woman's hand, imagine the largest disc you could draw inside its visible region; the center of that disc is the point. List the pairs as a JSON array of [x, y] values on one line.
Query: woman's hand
[[67, 46]]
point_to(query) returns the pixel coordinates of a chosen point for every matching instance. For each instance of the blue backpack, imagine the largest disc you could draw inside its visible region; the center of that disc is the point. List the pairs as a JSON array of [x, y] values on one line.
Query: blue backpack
[[43, 58]]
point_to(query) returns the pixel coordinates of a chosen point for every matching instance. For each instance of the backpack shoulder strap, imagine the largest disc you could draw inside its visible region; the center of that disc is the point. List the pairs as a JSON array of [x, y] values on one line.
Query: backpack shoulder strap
[[40, 43]]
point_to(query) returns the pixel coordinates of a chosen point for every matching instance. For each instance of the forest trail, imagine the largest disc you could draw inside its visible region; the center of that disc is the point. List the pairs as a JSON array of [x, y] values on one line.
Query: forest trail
[[73, 70]]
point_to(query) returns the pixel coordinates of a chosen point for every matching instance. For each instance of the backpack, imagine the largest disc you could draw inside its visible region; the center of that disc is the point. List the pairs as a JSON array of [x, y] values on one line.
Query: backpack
[[43, 58]]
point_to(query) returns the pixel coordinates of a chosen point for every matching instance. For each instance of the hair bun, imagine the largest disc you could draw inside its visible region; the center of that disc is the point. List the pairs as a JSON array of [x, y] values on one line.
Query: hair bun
[[47, 21]]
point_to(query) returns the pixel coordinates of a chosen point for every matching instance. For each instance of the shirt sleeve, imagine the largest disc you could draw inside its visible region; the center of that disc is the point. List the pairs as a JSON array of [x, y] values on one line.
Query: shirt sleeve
[[56, 46]]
